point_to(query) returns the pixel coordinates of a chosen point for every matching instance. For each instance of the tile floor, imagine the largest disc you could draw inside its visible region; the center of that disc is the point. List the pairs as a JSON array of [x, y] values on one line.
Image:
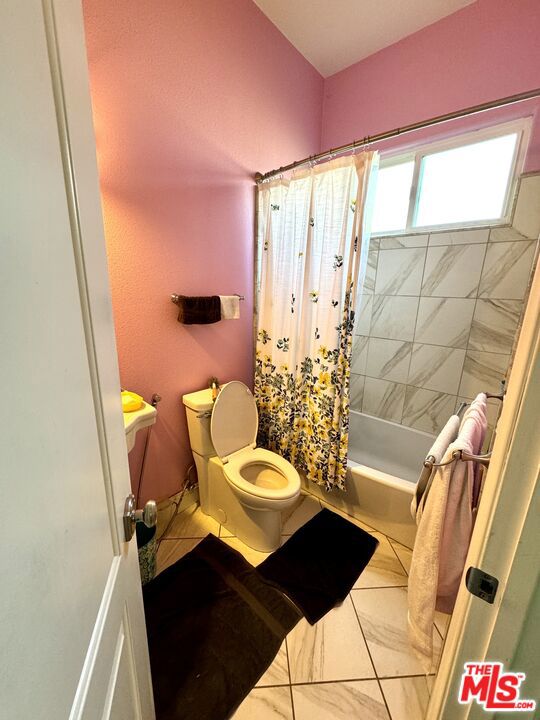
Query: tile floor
[[354, 663]]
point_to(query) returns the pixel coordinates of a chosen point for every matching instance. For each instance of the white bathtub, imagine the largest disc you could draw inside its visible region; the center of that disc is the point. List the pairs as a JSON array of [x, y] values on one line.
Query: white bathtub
[[385, 460]]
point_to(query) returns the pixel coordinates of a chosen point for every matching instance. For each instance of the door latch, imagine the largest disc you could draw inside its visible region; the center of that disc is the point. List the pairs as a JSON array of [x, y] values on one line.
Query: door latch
[[481, 584], [148, 515]]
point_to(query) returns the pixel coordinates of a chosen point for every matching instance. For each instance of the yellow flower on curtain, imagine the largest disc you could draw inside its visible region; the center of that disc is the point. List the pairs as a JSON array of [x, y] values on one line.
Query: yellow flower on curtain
[[312, 248]]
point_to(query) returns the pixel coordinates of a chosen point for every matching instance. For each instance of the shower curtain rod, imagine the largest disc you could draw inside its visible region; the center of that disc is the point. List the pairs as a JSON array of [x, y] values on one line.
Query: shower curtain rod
[[368, 140]]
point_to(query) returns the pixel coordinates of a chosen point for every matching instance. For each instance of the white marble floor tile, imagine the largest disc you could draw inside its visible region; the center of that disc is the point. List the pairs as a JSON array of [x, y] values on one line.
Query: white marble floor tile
[[442, 621], [444, 321], [294, 518], [278, 672], [266, 704], [165, 512], [344, 514], [383, 399], [252, 556], [388, 359], [169, 551], [399, 272], [506, 270], [407, 698], [384, 569], [333, 649], [436, 368], [383, 615], [453, 270], [339, 701], [193, 523], [404, 554]]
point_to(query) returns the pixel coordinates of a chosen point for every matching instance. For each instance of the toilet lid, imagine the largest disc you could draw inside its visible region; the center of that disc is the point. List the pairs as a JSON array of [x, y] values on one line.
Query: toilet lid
[[234, 419]]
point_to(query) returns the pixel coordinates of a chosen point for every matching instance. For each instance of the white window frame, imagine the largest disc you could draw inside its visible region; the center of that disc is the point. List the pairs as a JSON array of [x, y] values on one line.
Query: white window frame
[[523, 129]]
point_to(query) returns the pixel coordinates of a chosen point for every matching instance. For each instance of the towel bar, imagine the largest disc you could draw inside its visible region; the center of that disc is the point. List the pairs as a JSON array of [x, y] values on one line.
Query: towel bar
[[175, 297], [429, 462]]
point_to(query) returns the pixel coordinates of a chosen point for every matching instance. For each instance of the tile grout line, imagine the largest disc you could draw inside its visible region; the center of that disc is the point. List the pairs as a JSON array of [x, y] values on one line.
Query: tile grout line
[[290, 679], [415, 325], [399, 559], [353, 679], [371, 658], [432, 344], [472, 319]]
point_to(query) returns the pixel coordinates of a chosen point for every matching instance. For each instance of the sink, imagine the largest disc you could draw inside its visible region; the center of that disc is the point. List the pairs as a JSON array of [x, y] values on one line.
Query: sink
[[136, 420]]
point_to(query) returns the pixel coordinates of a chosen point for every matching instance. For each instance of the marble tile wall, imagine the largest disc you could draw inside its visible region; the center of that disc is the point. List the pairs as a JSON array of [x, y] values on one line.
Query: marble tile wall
[[438, 315]]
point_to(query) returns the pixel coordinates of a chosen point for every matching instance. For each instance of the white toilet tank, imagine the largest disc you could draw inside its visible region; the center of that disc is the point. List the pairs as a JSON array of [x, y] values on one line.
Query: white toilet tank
[[198, 412]]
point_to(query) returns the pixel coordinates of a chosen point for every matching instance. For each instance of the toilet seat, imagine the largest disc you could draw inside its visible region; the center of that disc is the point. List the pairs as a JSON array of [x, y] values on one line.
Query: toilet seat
[[233, 429], [259, 456]]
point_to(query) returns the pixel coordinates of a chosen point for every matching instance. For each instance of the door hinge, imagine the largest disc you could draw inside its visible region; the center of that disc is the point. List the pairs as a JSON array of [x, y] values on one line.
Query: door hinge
[[481, 584]]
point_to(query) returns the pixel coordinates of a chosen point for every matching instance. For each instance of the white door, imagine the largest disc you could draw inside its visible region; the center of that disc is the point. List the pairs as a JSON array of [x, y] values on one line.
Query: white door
[[72, 632]]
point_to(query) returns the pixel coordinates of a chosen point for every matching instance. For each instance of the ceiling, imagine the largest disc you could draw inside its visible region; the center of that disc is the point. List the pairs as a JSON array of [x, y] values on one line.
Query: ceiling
[[333, 34]]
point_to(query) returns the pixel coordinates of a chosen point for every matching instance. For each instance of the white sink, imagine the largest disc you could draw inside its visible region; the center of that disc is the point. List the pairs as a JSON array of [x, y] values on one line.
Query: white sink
[[134, 421]]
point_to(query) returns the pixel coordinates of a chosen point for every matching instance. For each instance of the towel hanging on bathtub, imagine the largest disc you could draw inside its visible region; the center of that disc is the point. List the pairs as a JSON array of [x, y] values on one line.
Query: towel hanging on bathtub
[[196, 310]]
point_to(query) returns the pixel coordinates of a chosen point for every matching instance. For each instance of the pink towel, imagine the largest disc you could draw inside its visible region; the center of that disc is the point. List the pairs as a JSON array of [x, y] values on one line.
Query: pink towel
[[443, 536]]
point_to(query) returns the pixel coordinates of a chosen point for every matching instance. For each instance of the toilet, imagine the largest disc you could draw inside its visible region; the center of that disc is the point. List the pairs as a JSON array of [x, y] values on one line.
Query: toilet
[[243, 487]]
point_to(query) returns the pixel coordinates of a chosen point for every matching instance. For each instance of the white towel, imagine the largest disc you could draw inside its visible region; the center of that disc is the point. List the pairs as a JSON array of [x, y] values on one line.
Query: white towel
[[230, 307], [447, 435]]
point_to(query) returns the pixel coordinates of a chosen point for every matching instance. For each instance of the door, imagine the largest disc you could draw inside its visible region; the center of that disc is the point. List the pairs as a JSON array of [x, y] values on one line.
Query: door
[[72, 628], [505, 544]]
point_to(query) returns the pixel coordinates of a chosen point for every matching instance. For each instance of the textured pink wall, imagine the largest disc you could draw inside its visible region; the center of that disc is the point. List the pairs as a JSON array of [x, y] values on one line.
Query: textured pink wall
[[488, 50], [190, 99]]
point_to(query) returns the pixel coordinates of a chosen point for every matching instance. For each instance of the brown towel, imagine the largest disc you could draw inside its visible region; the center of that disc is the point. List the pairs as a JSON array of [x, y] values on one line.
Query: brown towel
[[198, 310]]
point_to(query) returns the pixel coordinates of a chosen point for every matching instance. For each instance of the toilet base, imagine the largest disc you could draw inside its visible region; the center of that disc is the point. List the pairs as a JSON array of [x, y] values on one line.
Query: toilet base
[[259, 529]]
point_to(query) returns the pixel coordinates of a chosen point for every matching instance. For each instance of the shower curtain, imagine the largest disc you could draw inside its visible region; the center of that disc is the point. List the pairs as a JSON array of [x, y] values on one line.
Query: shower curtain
[[313, 238]]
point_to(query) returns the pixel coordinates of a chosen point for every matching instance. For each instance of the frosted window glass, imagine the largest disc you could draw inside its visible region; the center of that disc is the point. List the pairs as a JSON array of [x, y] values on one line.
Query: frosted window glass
[[392, 197], [465, 184]]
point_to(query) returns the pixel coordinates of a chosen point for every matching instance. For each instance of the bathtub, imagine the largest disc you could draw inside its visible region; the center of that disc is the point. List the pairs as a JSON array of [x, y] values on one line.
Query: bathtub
[[384, 464]]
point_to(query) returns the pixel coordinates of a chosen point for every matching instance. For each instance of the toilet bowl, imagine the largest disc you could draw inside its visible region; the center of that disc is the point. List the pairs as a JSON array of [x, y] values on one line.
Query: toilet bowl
[[243, 487]]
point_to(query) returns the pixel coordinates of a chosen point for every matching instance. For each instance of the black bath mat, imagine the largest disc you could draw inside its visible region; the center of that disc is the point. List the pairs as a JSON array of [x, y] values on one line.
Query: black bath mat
[[214, 627], [320, 563]]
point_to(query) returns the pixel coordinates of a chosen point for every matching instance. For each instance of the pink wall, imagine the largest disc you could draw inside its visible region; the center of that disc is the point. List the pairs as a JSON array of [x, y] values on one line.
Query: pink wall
[[190, 99], [488, 50]]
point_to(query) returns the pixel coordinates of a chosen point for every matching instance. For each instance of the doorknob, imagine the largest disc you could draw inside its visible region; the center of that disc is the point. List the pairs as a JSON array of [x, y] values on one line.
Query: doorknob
[[148, 515]]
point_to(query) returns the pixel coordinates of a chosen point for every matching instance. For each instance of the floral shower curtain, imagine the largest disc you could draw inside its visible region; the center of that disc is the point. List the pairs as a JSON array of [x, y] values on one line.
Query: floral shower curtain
[[313, 237]]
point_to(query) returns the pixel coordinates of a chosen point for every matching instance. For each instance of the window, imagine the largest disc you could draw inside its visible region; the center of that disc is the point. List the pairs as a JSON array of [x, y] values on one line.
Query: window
[[461, 183]]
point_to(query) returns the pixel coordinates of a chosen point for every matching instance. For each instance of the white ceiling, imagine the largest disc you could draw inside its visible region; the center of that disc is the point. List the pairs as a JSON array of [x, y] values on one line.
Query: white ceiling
[[333, 34]]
